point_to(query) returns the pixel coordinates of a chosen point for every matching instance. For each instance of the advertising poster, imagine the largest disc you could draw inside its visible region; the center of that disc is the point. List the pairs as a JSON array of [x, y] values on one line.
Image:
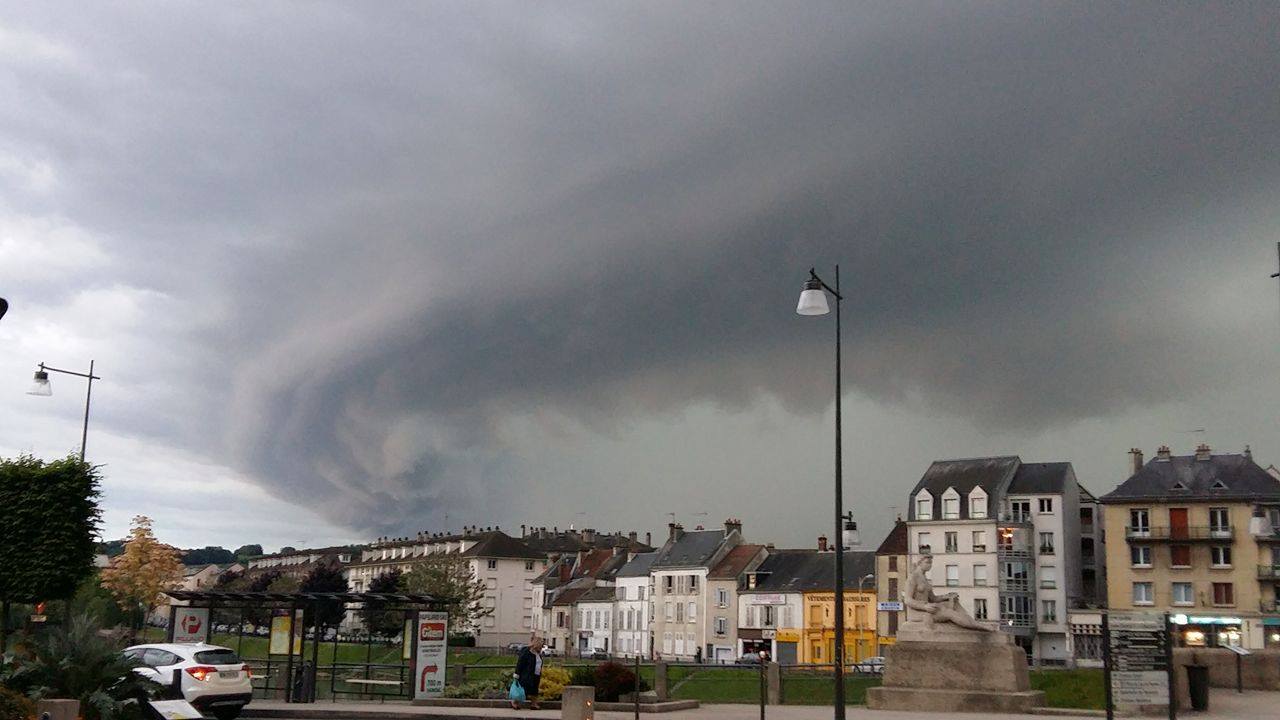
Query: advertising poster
[[190, 625], [433, 649], [406, 647], [280, 627]]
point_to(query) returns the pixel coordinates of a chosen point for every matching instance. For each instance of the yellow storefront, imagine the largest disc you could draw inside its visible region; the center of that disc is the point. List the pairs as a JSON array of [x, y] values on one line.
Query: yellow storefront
[[818, 643]]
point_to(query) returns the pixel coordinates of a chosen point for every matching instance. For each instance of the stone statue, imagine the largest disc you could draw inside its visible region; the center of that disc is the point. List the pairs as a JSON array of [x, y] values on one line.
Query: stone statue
[[919, 597]]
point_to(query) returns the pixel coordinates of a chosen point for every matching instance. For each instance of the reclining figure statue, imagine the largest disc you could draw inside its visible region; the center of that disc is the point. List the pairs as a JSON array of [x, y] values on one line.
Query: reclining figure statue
[[920, 597]]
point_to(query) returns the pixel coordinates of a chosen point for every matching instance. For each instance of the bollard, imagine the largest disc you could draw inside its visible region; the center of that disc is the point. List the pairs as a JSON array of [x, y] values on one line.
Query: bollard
[[773, 673], [660, 680], [58, 709], [577, 702]]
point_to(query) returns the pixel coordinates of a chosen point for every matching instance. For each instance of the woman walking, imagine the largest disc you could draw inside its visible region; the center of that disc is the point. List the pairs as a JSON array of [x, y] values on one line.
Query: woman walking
[[529, 672]]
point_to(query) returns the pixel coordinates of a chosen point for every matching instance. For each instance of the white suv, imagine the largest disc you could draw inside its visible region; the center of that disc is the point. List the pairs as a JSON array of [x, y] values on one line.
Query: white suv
[[213, 679]]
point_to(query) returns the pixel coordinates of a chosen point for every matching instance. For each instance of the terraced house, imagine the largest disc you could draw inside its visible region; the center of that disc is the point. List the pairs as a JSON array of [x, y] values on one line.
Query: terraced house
[[1196, 536], [679, 591]]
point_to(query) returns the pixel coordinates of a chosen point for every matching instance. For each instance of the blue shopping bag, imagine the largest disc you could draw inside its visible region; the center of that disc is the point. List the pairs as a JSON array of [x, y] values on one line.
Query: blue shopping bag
[[516, 694]]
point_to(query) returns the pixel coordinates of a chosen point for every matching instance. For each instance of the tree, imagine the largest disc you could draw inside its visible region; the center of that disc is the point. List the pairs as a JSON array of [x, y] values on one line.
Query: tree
[[145, 570], [377, 619], [288, 549], [48, 519], [209, 555], [247, 551], [326, 578], [449, 578]]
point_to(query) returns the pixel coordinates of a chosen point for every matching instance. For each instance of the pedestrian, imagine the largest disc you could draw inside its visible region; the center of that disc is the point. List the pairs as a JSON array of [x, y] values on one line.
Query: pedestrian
[[529, 672], [697, 656]]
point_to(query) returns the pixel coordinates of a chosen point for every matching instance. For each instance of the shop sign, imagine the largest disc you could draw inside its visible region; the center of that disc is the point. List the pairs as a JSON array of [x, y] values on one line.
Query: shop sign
[[770, 600], [431, 655], [787, 636], [1184, 619], [891, 606], [768, 634]]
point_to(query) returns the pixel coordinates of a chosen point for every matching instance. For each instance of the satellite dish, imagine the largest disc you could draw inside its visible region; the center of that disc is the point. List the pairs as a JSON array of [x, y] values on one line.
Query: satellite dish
[[4, 305]]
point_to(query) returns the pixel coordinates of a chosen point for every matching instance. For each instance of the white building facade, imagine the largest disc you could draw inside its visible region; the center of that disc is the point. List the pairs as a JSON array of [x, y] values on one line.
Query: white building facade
[[634, 609]]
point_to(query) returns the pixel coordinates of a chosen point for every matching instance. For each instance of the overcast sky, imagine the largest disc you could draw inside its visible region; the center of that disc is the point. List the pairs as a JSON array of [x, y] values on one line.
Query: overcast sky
[[359, 269]]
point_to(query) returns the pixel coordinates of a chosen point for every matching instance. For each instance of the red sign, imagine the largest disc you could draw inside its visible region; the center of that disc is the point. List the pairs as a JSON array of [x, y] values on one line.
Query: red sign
[[432, 631]]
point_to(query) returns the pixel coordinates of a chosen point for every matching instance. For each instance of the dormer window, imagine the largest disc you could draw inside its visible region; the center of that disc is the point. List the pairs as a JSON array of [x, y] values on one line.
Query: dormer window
[[924, 506], [977, 504], [1218, 485], [951, 505], [1178, 486]]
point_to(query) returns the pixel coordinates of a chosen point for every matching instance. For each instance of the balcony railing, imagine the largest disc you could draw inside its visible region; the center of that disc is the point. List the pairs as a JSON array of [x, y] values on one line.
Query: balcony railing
[[1013, 551], [1015, 584], [1269, 572], [1179, 534], [1019, 620], [1016, 518]]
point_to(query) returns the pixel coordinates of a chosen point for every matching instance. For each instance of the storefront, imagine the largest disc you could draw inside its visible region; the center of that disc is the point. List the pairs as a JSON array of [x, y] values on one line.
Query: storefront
[[1271, 633], [753, 641], [1208, 630]]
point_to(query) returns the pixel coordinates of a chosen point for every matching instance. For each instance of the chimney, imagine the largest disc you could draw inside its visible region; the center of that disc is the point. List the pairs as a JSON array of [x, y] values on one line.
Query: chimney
[[1135, 461], [1163, 453], [565, 571], [674, 531], [1202, 452], [632, 535], [522, 531], [732, 524], [588, 536], [648, 539], [1248, 454], [822, 543]]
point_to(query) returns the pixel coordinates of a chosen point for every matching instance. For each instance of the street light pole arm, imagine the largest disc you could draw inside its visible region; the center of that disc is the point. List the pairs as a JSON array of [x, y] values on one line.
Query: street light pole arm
[[824, 284], [49, 368]]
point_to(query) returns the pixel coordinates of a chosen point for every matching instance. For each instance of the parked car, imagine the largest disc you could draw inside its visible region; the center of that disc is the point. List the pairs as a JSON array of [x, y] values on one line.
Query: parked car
[[870, 666], [514, 648], [548, 651], [213, 679], [749, 659]]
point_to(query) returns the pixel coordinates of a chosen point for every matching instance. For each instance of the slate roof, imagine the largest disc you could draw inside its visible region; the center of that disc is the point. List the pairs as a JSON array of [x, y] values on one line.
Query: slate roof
[[801, 571], [570, 595], [601, 594], [734, 562], [895, 543], [497, 544], [1243, 478], [992, 474], [694, 549], [1041, 478], [639, 565]]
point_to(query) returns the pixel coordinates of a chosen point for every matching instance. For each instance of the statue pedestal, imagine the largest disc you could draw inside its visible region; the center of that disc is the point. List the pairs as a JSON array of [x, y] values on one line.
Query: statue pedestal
[[954, 670]]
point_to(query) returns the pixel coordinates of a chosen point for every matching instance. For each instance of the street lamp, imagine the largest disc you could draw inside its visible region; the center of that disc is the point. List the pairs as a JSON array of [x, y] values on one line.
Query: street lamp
[[40, 386], [813, 301]]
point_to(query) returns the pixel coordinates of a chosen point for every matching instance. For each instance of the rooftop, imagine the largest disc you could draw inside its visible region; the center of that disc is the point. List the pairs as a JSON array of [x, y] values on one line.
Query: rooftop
[[693, 548], [735, 562], [1208, 477]]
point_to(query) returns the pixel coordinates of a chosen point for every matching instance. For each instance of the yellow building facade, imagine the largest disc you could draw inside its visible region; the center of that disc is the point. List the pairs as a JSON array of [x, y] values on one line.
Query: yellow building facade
[[817, 644]]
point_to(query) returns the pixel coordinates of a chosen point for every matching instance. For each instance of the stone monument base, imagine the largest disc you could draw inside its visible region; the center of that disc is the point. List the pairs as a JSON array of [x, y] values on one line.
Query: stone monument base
[[956, 671]]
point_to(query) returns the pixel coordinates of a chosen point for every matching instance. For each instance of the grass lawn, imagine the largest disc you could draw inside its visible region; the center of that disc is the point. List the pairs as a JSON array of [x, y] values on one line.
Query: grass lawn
[[1080, 688], [715, 685]]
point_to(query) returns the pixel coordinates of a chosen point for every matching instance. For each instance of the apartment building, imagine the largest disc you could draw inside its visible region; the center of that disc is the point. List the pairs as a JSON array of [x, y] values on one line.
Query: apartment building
[[892, 566], [771, 606], [507, 566], [584, 569], [1006, 537], [679, 589], [595, 614], [1195, 536], [635, 611], [299, 563], [723, 582]]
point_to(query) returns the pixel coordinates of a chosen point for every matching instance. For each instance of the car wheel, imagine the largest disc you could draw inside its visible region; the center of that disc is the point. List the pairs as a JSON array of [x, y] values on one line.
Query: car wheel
[[226, 713]]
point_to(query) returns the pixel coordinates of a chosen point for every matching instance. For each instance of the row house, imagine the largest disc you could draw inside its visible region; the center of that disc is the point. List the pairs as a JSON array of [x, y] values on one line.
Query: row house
[[1195, 536], [635, 613], [787, 606], [1006, 537], [679, 592], [557, 590], [506, 565], [298, 564], [893, 563]]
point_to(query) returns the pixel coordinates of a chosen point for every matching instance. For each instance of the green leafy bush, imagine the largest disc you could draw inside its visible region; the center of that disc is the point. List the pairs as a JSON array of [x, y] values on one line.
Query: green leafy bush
[[583, 676], [553, 681], [477, 690], [15, 707]]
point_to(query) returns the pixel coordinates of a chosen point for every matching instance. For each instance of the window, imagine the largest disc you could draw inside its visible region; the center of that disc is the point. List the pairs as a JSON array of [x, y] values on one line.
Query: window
[[1180, 555], [1143, 594], [679, 612], [893, 563], [979, 608], [693, 612], [1020, 510], [977, 507], [1140, 555], [1139, 522], [668, 612], [693, 583], [979, 575], [924, 543], [953, 576], [640, 593], [722, 625], [924, 508], [491, 583], [666, 643], [722, 598], [767, 616], [979, 541], [528, 565], [893, 588], [1219, 522], [1046, 543], [1048, 577], [667, 582], [1220, 556], [952, 541], [1182, 594], [751, 616], [1046, 505], [950, 508], [1224, 594], [493, 564], [1049, 611]]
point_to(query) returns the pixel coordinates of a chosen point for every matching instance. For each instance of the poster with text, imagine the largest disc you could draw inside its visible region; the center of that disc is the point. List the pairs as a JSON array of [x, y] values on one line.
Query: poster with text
[[280, 627], [190, 625], [433, 649]]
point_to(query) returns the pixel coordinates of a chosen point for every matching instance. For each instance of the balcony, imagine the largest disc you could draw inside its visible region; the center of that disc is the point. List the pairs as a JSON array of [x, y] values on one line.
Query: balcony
[[1015, 518], [1004, 550], [1269, 572], [1018, 585], [1180, 534], [1272, 538]]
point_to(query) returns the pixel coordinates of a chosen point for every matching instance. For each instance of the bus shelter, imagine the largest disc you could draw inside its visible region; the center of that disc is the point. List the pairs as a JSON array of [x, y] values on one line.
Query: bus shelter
[[296, 624]]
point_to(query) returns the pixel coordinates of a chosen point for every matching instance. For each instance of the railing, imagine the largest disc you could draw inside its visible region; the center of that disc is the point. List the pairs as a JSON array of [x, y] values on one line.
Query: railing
[[1012, 551], [1015, 584], [1269, 572], [1046, 549], [1018, 620], [1219, 532], [1016, 518]]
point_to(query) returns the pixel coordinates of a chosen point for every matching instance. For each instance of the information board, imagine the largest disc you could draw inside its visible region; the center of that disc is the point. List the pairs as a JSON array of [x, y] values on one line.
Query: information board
[[1137, 659], [433, 650], [190, 625]]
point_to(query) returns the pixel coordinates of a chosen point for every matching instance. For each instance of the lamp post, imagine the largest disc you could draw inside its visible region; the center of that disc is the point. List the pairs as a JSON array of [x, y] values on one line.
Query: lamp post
[[42, 388], [813, 301]]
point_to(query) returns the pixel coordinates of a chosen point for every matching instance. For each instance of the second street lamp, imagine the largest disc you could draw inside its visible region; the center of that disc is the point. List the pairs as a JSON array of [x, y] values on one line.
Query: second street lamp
[[40, 386], [813, 301]]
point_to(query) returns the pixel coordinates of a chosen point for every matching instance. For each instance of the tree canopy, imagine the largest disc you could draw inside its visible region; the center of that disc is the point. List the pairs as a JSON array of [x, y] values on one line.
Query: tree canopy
[[248, 551], [326, 578], [377, 619], [449, 577], [145, 569], [209, 555]]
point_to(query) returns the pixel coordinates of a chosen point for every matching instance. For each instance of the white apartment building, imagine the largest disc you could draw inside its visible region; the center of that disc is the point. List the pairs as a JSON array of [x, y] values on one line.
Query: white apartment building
[[771, 606], [507, 567], [679, 590], [1005, 536], [595, 613], [634, 608]]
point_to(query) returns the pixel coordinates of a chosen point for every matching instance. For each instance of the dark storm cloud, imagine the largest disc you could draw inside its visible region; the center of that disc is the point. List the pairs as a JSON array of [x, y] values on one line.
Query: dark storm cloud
[[408, 225]]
